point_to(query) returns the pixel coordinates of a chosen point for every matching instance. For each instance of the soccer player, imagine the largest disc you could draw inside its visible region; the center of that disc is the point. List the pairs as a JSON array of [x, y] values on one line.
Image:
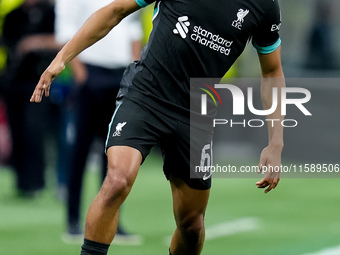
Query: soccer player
[[189, 39]]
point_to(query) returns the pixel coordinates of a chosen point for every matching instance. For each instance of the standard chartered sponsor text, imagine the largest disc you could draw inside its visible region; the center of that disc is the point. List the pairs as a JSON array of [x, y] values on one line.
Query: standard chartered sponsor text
[[213, 41]]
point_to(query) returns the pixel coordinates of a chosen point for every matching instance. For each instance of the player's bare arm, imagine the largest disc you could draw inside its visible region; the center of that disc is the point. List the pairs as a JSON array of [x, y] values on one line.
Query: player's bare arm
[[272, 77], [95, 28]]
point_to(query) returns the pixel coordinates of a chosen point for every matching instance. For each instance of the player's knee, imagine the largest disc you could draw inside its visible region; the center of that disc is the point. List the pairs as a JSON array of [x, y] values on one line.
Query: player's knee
[[116, 187], [192, 224]]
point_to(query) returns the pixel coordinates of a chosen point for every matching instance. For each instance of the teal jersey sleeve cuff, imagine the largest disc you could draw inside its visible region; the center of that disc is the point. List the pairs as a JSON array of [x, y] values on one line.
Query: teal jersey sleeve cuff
[[268, 49], [141, 3]]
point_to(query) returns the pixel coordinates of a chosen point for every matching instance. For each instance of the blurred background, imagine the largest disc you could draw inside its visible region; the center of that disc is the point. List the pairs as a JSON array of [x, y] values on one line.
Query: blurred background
[[299, 217]]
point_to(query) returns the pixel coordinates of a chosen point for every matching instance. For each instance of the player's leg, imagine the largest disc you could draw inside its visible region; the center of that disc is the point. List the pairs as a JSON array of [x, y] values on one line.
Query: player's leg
[[129, 142], [101, 220], [189, 207], [190, 190]]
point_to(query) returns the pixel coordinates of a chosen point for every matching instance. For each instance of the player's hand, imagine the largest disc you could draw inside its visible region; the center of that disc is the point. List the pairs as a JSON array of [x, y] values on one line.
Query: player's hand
[[44, 84], [270, 161]]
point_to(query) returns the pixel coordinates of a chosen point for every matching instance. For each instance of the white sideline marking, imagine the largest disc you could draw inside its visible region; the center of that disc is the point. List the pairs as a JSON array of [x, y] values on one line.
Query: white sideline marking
[[231, 228], [228, 228], [327, 251]]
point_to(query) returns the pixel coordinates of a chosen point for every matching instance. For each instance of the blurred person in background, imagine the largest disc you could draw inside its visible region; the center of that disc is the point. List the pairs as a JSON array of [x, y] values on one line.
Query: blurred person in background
[[28, 34], [320, 45], [97, 74], [6, 6], [5, 137]]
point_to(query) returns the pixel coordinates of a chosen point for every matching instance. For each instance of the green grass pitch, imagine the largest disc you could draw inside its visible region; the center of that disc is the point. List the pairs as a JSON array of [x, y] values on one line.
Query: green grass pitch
[[301, 216]]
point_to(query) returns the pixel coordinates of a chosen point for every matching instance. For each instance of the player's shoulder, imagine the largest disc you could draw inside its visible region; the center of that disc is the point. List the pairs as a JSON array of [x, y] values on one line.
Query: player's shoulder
[[267, 7], [261, 7], [269, 3], [264, 4]]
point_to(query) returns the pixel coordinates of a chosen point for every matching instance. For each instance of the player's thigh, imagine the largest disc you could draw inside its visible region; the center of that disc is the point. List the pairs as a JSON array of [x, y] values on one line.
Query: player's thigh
[[123, 166], [123, 162], [189, 204]]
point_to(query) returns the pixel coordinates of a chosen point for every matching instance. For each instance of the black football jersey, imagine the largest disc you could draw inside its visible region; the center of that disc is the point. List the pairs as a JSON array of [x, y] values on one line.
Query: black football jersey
[[201, 38]]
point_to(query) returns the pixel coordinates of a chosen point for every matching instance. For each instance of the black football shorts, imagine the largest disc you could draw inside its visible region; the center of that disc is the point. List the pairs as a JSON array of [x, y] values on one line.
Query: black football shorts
[[136, 125]]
